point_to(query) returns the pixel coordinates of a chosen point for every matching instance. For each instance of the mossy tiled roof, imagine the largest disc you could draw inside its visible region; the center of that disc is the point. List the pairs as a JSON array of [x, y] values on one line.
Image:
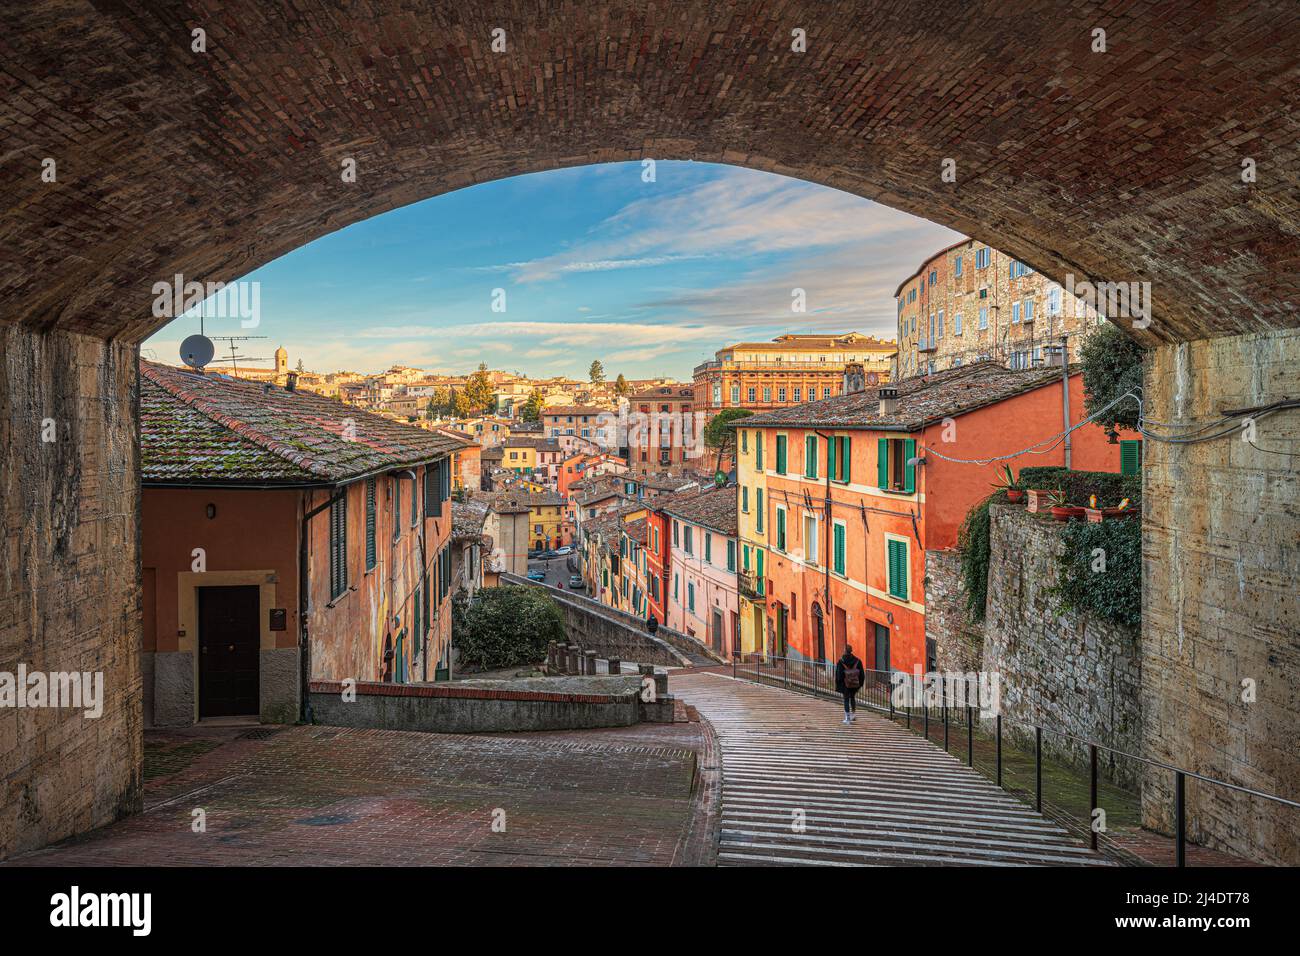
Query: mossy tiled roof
[[216, 429]]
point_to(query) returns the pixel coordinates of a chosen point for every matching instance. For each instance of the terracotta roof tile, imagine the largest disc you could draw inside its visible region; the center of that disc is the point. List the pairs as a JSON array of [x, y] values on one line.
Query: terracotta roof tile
[[213, 428], [922, 400]]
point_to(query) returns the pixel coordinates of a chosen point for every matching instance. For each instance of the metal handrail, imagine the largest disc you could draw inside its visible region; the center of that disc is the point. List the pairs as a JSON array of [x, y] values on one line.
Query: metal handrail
[[782, 665]]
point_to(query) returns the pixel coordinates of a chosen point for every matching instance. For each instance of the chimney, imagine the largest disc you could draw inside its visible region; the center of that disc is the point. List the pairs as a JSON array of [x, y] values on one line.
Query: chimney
[[291, 382], [855, 379], [888, 401]]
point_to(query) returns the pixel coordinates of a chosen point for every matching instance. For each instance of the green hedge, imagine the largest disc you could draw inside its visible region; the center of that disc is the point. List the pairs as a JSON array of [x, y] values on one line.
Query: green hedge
[[1109, 487], [507, 626], [1113, 593]]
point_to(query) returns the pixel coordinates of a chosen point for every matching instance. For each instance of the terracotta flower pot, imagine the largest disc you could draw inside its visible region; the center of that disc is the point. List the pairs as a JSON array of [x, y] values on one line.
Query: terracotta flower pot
[[1067, 512], [1015, 495], [1038, 499]]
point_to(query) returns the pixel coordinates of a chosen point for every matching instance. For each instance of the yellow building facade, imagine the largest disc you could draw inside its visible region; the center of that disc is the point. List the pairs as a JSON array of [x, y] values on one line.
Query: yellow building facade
[[752, 531]]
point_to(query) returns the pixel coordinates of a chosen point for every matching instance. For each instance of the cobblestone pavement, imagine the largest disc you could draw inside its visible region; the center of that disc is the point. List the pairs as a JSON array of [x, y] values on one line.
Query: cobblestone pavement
[[800, 787], [334, 796]]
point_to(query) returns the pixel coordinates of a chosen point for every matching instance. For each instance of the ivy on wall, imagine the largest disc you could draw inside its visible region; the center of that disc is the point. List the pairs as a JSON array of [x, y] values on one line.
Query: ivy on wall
[[973, 540], [1101, 571]]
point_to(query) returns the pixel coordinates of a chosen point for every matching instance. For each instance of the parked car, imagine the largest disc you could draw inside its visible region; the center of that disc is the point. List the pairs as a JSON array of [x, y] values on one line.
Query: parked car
[[537, 574], [561, 552], [576, 582]]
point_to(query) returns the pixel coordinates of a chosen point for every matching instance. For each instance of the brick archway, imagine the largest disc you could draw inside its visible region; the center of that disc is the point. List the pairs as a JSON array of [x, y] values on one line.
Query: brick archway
[[1123, 165], [1117, 165]]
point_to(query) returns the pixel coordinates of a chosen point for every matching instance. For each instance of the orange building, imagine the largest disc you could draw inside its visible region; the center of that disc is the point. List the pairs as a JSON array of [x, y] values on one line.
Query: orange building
[[663, 433], [284, 536], [789, 370], [858, 490]]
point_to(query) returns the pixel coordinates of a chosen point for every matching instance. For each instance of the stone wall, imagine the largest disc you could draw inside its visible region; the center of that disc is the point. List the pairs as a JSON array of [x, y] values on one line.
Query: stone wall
[[69, 580], [1221, 558], [959, 644], [1060, 669], [612, 633], [482, 706]]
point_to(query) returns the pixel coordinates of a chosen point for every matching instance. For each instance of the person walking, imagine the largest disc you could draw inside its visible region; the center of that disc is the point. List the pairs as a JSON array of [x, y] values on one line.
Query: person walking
[[849, 674], [652, 623]]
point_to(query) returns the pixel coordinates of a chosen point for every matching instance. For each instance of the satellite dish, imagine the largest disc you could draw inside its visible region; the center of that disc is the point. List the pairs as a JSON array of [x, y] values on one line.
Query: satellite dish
[[197, 351]]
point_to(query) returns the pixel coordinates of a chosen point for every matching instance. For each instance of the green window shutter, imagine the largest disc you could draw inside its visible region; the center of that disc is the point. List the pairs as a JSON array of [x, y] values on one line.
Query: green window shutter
[[909, 471], [759, 570], [846, 460], [882, 462], [758, 501], [371, 518], [810, 456], [780, 454], [898, 569], [744, 557], [708, 547], [839, 549], [1130, 457], [780, 530], [744, 498], [731, 555], [758, 450]]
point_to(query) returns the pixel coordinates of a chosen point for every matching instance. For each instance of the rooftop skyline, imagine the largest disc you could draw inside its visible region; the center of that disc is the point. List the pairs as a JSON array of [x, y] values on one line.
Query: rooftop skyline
[[649, 277]]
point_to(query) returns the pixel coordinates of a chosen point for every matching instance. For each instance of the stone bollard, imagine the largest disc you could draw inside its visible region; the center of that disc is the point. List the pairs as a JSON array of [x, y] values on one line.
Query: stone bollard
[[573, 660], [591, 662], [615, 666], [562, 658], [550, 657]]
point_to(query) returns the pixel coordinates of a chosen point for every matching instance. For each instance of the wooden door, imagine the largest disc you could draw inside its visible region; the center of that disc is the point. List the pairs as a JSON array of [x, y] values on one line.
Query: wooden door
[[229, 646]]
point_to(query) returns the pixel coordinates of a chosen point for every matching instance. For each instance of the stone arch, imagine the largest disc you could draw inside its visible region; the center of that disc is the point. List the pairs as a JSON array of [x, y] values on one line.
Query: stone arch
[[1117, 165]]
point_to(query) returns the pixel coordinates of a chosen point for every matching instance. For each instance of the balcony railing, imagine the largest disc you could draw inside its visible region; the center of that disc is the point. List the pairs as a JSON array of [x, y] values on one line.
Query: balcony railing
[[750, 585]]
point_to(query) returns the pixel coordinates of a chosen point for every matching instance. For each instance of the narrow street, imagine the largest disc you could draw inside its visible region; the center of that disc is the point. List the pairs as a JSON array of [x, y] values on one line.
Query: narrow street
[[871, 793]]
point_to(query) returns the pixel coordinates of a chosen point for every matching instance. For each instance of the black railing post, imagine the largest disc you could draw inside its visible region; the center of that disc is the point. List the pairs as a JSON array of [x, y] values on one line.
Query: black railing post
[[1180, 815], [970, 738], [945, 720], [1038, 769], [786, 667], [889, 692], [998, 720], [1092, 772], [926, 704]]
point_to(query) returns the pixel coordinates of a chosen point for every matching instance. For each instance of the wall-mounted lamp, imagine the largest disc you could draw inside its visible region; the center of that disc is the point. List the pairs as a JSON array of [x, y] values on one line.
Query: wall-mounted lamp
[[212, 511]]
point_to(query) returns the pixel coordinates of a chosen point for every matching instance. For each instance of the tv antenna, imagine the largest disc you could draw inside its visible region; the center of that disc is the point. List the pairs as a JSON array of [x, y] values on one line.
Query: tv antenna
[[234, 358]]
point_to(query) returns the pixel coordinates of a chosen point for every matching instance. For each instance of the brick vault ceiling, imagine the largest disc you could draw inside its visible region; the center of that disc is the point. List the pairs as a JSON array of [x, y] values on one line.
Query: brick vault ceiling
[[1123, 165]]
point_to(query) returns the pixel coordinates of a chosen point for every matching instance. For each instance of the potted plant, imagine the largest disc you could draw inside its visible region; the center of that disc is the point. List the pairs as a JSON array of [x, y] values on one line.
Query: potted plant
[[1061, 510], [1008, 484]]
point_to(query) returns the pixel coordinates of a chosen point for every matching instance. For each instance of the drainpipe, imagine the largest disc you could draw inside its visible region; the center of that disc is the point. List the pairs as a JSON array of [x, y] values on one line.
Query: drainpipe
[[1065, 396]]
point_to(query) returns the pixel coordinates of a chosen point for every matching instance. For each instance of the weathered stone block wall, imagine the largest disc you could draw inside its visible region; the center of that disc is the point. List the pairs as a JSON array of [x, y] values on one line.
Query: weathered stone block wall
[[1060, 669], [69, 580], [959, 644], [1221, 561]]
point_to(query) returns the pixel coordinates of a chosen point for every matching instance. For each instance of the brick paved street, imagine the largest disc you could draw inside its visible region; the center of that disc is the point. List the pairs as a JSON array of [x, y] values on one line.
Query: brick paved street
[[329, 796]]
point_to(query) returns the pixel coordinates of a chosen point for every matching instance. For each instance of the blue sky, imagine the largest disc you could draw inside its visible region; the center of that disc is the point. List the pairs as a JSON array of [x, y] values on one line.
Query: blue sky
[[649, 277]]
